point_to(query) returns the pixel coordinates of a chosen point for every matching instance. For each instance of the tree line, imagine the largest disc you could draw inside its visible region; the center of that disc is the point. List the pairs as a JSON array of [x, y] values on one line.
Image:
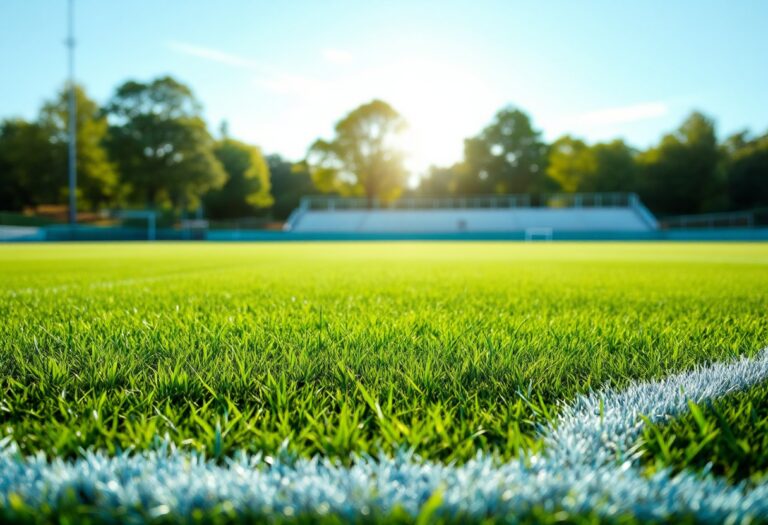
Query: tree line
[[687, 172], [148, 146]]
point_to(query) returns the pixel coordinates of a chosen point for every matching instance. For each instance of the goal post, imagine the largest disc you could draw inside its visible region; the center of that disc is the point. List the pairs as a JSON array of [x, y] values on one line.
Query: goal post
[[149, 215], [538, 234]]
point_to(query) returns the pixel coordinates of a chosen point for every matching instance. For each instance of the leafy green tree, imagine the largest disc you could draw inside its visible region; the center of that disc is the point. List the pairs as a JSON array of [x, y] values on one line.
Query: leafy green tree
[[508, 156], [442, 180], [290, 182], [683, 173], [161, 144], [364, 157], [27, 166], [571, 162], [247, 187], [746, 166], [616, 168], [603, 167], [33, 157], [97, 178]]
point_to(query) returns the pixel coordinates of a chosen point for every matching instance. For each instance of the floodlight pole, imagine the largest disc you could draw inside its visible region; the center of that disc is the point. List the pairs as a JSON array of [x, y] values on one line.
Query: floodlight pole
[[70, 42]]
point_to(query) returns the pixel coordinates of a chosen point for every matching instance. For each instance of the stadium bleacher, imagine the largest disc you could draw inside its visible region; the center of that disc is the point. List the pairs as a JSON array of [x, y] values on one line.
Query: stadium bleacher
[[512, 213]]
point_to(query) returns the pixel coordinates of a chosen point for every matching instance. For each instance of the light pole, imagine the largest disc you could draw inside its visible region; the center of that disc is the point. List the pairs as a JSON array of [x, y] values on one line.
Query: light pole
[[70, 43]]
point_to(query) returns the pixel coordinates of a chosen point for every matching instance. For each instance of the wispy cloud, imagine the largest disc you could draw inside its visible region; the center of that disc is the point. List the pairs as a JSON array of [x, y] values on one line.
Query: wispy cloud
[[337, 56], [216, 55], [621, 114]]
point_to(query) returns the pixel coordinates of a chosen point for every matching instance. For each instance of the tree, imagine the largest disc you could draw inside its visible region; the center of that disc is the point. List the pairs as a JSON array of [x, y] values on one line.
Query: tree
[[571, 162], [683, 173], [97, 178], [161, 143], [247, 186], [442, 181], [616, 168], [290, 182], [603, 167], [508, 156], [34, 156], [27, 166], [746, 167], [364, 157]]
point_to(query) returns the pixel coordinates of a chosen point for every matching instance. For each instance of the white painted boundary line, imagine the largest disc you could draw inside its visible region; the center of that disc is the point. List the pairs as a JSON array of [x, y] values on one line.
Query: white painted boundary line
[[586, 468]]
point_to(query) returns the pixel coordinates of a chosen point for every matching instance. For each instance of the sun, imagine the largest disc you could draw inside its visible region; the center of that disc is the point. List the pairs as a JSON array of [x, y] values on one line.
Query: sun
[[427, 144], [442, 103]]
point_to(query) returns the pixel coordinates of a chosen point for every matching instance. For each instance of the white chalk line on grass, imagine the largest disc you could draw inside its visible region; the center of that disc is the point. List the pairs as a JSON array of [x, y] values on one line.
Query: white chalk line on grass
[[587, 467], [129, 281]]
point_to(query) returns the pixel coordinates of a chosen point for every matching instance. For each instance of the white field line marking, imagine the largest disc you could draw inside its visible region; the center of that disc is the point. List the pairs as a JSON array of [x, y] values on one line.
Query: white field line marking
[[587, 467], [90, 286], [77, 286]]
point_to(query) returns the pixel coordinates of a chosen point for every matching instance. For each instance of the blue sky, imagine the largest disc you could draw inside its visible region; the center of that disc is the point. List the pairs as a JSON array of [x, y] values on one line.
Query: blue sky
[[282, 72]]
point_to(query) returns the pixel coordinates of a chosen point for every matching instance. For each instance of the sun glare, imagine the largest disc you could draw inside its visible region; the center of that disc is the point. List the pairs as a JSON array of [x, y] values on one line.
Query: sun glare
[[442, 104]]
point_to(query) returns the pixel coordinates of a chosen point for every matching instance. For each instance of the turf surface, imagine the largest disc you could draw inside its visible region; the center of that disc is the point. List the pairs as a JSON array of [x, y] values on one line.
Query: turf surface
[[332, 349], [728, 437], [586, 472]]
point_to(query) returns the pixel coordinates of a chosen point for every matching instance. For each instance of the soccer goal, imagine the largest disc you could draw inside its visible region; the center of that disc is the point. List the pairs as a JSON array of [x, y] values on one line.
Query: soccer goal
[[148, 215], [538, 234]]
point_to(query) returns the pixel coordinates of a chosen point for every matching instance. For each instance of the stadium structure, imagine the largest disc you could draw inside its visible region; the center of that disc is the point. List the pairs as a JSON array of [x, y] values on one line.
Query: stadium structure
[[571, 217], [529, 215]]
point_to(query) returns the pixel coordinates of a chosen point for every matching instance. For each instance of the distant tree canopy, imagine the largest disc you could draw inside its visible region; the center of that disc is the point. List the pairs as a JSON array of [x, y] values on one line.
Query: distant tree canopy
[[149, 146], [571, 163], [290, 182], [687, 172], [442, 181], [97, 180], [508, 156], [604, 167], [161, 144], [364, 158], [746, 167], [683, 173], [615, 168], [27, 177], [247, 187], [33, 156]]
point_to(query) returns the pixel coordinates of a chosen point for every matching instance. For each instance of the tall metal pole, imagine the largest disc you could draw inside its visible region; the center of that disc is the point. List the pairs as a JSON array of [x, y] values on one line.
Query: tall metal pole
[[72, 118]]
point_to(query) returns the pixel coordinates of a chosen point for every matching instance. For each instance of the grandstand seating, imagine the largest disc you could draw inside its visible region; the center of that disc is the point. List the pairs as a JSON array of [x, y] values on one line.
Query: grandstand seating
[[630, 217]]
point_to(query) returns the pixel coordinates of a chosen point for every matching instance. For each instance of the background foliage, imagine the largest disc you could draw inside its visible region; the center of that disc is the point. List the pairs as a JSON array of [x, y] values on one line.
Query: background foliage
[[148, 146]]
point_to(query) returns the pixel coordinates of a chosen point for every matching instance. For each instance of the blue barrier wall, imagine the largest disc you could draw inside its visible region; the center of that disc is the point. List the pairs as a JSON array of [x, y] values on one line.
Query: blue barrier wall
[[95, 233], [725, 234], [63, 233]]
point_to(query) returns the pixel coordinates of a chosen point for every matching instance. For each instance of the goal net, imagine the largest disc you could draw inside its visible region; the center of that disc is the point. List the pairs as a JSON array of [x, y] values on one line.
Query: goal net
[[538, 234]]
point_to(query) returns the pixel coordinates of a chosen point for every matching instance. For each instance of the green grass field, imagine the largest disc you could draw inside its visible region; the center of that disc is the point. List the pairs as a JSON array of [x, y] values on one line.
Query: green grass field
[[341, 348]]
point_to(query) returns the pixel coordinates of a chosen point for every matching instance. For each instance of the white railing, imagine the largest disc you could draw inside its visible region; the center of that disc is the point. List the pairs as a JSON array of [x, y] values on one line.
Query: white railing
[[296, 214], [739, 219], [643, 212], [552, 200]]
